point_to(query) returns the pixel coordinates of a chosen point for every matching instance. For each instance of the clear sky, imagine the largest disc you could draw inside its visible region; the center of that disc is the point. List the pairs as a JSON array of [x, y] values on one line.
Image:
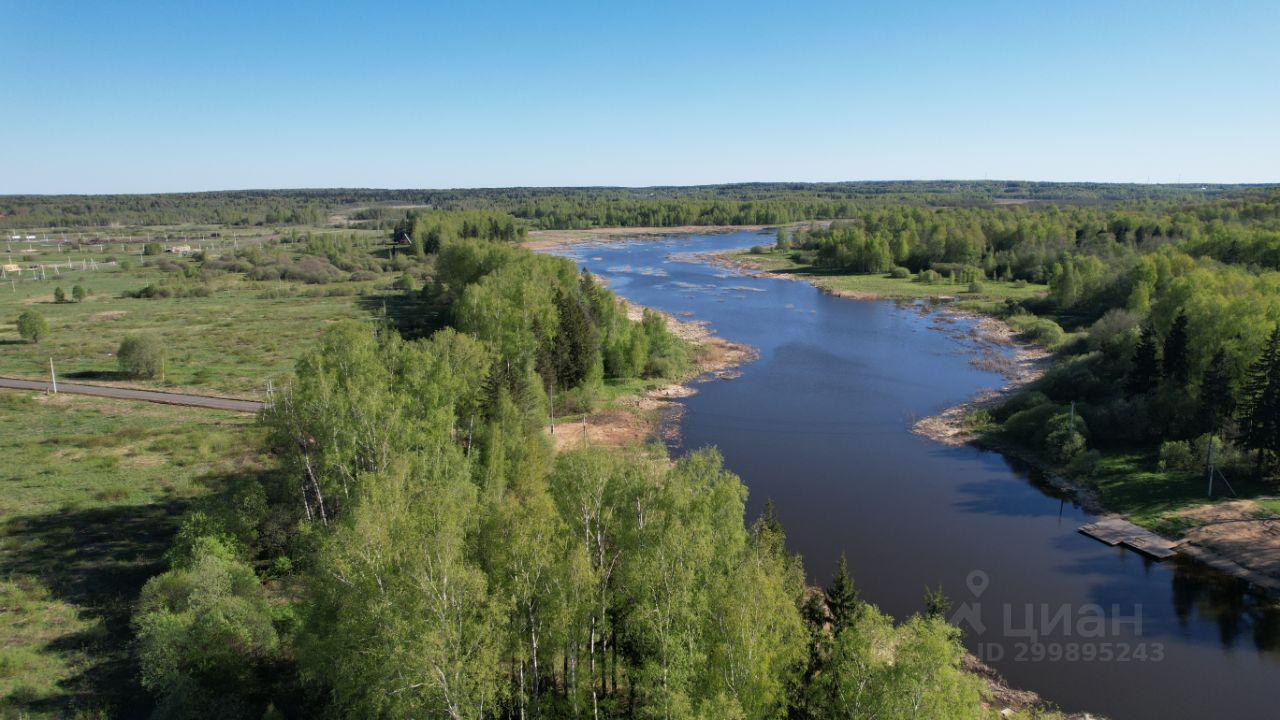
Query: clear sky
[[167, 96]]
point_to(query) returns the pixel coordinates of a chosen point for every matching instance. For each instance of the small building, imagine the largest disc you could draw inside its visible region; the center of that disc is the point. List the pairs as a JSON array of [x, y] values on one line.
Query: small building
[[180, 249], [11, 268]]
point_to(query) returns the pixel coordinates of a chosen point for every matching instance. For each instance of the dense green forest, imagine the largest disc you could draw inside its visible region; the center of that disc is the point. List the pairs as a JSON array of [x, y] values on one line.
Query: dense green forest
[[1165, 318], [560, 208], [422, 552]]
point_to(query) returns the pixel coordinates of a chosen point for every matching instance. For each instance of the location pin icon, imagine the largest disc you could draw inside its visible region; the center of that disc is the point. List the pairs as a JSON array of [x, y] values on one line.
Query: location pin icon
[[977, 582]]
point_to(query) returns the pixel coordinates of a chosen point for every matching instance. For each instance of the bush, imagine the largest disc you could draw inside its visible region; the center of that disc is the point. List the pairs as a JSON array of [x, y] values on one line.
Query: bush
[[32, 326], [899, 273], [1038, 330], [59, 296], [1084, 464], [1176, 455], [975, 286], [206, 642], [1063, 440], [78, 293], [152, 248], [757, 250], [1115, 334], [140, 356], [405, 283]]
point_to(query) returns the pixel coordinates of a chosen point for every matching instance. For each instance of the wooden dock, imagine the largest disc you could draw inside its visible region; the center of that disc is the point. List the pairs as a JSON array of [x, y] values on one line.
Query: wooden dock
[[1116, 530]]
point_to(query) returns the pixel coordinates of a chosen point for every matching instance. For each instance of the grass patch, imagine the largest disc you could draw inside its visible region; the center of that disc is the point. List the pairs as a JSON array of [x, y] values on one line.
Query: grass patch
[[883, 285], [231, 341], [93, 491]]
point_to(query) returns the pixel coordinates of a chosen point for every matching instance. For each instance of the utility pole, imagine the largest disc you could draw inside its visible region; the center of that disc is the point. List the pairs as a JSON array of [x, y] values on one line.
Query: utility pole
[[53, 377], [1208, 462]]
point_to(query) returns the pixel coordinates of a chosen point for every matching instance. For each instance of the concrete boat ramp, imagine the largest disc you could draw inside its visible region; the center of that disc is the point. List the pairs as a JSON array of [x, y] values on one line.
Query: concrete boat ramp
[[1115, 530]]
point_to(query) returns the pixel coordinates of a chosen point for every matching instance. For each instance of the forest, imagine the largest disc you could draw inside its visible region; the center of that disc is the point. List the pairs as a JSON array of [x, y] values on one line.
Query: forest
[[562, 208], [421, 551], [1164, 318]]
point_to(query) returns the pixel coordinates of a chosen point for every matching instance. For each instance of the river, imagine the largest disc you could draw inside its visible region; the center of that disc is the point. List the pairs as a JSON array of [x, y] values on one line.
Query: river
[[820, 424]]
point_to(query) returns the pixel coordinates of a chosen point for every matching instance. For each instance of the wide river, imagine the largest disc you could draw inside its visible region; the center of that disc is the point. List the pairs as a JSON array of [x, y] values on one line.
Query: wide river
[[820, 424]]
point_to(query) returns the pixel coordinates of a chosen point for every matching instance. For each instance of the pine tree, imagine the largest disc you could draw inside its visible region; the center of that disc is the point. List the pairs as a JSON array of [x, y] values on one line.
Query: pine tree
[[1217, 400], [576, 343], [1260, 414], [842, 597], [1176, 363], [1145, 372]]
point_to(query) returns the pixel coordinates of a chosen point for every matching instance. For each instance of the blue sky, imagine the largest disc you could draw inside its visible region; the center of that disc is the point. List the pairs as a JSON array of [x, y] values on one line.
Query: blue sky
[[168, 96]]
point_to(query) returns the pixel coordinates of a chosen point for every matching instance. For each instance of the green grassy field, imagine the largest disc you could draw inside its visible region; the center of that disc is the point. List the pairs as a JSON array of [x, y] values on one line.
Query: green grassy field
[[93, 489], [232, 342]]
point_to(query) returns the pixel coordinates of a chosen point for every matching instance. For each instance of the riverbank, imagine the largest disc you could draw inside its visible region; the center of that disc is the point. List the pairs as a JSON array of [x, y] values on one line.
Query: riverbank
[[1235, 537], [993, 343], [654, 413], [549, 240]]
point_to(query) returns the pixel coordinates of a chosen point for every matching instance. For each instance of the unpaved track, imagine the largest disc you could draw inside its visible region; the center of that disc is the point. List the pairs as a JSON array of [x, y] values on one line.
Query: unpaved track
[[204, 401]]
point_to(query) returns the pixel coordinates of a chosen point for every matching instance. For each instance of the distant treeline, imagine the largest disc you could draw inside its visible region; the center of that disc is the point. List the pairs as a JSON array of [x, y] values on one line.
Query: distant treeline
[[559, 208]]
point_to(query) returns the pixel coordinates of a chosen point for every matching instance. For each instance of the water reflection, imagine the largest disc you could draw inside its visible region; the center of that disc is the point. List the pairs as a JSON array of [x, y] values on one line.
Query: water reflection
[[1200, 593]]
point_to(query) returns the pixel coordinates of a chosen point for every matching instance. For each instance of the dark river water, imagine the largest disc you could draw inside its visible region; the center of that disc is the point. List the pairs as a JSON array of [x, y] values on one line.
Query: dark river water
[[820, 424]]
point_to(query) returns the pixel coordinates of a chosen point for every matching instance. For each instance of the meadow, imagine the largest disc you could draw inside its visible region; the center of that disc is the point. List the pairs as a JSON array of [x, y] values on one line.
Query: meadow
[[232, 336], [94, 489]]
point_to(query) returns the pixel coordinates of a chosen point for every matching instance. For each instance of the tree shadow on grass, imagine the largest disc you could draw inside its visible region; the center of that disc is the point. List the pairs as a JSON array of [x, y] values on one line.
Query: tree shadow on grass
[[96, 560], [410, 313], [97, 375]]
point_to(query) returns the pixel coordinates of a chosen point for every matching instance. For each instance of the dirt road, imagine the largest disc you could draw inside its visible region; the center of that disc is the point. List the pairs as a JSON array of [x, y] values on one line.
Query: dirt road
[[205, 401]]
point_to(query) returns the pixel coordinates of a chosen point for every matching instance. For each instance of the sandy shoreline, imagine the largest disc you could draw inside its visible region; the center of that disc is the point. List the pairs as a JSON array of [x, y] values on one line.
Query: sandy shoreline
[[547, 240]]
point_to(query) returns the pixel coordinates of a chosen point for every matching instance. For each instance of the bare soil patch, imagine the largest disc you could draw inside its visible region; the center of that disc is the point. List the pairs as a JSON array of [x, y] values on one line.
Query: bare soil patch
[[550, 239], [1241, 532], [655, 414]]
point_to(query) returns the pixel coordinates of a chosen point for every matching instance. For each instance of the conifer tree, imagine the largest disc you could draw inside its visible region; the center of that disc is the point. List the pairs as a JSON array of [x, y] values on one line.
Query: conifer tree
[[1176, 363], [1217, 401], [1260, 415], [1145, 372], [842, 597]]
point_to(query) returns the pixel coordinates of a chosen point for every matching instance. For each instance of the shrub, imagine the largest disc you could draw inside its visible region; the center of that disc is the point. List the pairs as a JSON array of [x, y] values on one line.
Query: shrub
[[32, 326], [405, 283], [1115, 334], [1084, 464], [152, 248], [1021, 401], [206, 642], [1176, 455], [975, 286], [899, 273], [78, 293], [59, 296], [757, 250], [1028, 426], [1038, 330], [140, 356], [1064, 440]]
